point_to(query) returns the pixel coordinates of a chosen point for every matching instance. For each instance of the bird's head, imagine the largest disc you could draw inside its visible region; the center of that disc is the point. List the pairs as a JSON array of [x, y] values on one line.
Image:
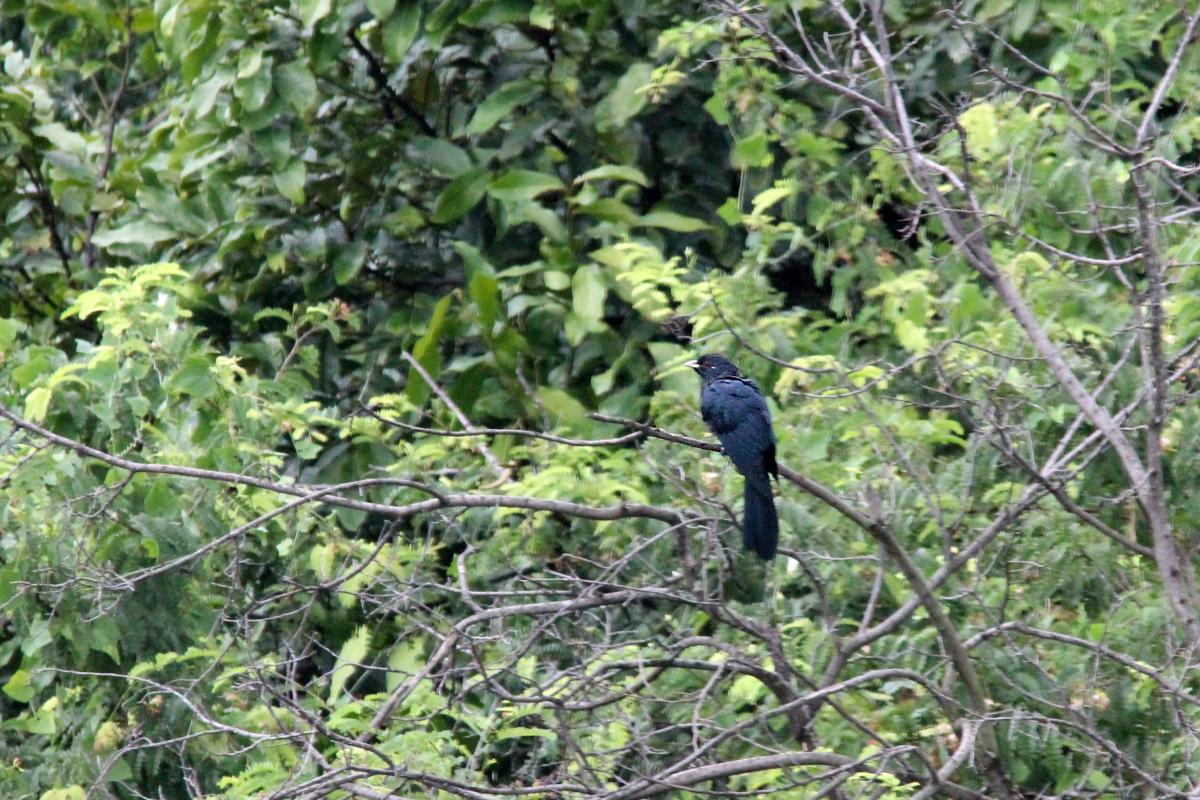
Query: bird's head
[[712, 367]]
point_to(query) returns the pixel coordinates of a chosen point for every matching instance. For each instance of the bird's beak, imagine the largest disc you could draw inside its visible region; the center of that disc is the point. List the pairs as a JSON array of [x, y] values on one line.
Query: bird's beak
[[693, 364]]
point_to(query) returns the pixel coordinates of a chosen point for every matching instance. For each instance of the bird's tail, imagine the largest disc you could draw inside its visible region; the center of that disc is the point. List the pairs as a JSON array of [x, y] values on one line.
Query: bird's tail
[[760, 530]]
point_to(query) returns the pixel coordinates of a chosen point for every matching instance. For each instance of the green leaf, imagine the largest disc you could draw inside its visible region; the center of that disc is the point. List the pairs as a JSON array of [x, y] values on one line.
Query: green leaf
[[568, 412], [492, 13], [602, 383], [38, 363], [485, 294], [523, 184], [296, 84], [673, 222], [290, 181], [499, 104], [460, 196], [250, 61], [549, 222], [252, 90], [588, 291], [443, 16], [66, 374], [625, 100], [9, 575], [769, 197], [306, 449], [63, 138], [425, 351], [37, 403], [313, 11], [103, 635], [752, 151], [322, 559], [20, 686], [405, 660], [473, 261], [819, 211], [1025, 14], [729, 212], [541, 17], [43, 722], [576, 328], [401, 29], [161, 500], [37, 637], [150, 547], [718, 108], [438, 155], [982, 127], [381, 9], [348, 260], [610, 209], [194, 378], [139, 232], [614, 172], [969, 305], [353, 653], [913, 338], [747, 689]]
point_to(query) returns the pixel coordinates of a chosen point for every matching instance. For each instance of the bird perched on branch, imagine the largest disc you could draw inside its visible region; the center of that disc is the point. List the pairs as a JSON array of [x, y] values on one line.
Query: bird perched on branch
[[736, 412]]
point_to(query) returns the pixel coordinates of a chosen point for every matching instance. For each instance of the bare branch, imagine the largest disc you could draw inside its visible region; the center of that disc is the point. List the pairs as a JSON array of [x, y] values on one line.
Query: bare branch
[[440, 500], [493, 462], [1167, 79]]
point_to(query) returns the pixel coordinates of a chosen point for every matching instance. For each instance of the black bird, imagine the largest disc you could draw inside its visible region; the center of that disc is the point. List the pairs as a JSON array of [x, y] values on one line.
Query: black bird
[[736, 412]]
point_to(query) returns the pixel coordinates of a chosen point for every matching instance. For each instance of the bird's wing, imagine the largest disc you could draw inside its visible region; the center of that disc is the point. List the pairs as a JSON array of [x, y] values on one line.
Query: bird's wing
[[737, 413], [728, 403]]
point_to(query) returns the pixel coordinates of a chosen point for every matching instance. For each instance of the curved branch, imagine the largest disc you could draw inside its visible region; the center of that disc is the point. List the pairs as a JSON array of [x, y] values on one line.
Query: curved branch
[[1125, 660], [392, 99], [663, 780], [742, 766], [380, 720], [628, 438], [1167, 79], [322, 493], [887, 540]]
